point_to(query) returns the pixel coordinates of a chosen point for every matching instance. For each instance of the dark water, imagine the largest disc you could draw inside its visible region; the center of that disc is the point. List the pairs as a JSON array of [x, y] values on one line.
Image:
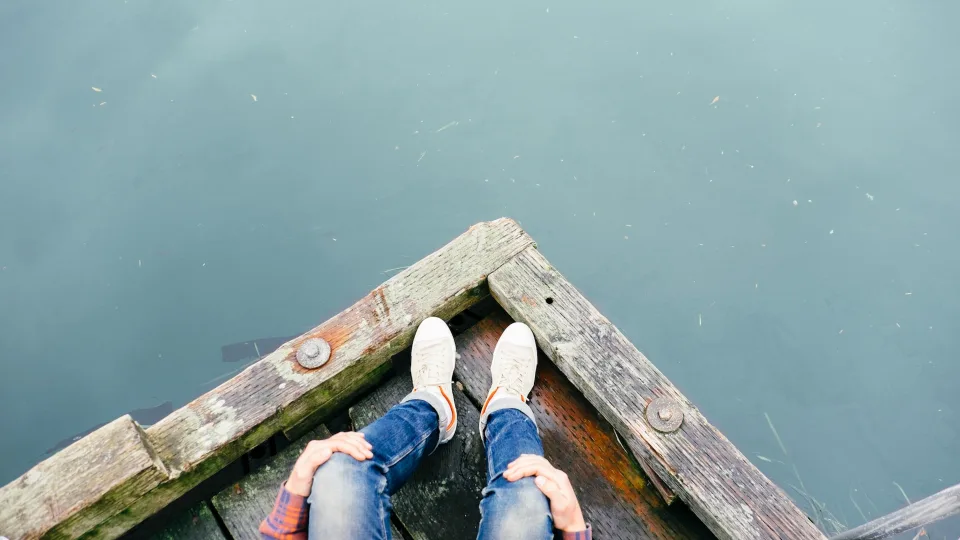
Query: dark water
[[789, 250]]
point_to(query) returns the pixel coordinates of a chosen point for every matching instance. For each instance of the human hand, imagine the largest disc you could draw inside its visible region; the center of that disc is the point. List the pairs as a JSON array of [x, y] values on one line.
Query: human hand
[[318, 452], [555, 485]]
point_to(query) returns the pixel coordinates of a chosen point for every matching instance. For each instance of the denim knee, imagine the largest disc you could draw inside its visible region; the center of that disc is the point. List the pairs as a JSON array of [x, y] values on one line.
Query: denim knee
[[337, 486], [523, 513]]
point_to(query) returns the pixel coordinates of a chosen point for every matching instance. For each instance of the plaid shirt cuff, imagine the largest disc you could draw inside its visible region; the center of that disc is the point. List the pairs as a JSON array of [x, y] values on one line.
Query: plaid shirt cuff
[[288, 521], [579, 535]]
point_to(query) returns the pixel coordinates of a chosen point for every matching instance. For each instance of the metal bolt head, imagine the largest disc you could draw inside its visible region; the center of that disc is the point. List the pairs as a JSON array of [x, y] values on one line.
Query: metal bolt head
[[313, 353], [664, 415]]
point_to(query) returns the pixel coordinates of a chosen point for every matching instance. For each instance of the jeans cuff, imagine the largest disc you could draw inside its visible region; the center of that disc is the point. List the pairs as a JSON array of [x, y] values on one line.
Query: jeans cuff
[[501, 404], [438, 405]]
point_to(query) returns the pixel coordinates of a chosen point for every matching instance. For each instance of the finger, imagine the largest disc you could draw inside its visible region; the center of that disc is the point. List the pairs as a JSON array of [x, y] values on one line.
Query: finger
[[315, 456], [351, 449], [551, 489], [528, 458], [353, 436], [522, 471]]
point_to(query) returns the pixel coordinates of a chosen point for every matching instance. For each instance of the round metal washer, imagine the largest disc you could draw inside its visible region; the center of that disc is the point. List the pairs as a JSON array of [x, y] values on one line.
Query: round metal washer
[[313, 353], [664, 414]]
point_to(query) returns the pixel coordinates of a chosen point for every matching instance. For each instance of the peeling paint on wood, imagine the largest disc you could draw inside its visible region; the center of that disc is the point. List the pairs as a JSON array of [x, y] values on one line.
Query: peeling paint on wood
[[83, 484], [731, 496], [205, 435], [615, 496]]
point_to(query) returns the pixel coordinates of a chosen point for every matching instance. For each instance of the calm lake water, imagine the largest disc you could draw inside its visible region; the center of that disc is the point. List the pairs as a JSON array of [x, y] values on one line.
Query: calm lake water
[[762, 195]]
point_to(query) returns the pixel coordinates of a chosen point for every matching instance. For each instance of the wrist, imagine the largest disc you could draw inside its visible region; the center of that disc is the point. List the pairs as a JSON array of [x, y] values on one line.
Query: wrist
[[575, 524], [298, 485]]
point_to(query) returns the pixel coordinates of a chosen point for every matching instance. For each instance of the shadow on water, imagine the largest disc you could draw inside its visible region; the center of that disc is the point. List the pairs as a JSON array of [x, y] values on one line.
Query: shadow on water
[[145, 417]]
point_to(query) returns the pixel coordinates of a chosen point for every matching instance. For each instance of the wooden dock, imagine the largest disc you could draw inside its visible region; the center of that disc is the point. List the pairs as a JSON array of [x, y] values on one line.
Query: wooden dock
[[212, 468]]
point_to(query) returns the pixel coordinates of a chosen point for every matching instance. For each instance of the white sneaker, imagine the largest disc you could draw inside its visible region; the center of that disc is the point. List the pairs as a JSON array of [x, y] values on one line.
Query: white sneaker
[[514, 365], [432, 359]]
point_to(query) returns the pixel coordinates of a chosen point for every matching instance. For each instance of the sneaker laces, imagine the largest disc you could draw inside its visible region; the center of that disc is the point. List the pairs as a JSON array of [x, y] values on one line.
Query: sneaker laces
[[429, 372], [516, 361]]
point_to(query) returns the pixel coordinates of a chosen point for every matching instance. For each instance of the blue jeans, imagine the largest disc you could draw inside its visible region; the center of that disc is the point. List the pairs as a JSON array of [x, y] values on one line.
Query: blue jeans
[[351, 499]]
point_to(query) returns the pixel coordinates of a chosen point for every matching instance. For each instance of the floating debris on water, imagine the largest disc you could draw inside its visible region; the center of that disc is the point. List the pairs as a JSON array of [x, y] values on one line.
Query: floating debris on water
[[95, 89], [152, 75], [450, 125], [716, 99], [869, 196], [764, 458], [795, 202], [831, 231], [700, 319], [421, 155], [254, 96]]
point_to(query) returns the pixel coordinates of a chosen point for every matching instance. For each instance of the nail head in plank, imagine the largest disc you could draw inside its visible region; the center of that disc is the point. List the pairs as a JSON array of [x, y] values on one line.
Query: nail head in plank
[[276, 393], [720, 485], [615, 497], [441, 499], [72, 491]]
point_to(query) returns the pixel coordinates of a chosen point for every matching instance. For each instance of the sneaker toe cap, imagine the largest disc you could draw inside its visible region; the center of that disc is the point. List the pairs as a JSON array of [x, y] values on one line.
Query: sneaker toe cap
[[433, 328], [519, 334]]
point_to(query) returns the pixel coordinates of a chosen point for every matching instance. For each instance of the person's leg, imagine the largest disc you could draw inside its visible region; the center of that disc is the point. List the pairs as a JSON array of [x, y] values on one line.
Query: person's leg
[[350, 499], [512, 510]]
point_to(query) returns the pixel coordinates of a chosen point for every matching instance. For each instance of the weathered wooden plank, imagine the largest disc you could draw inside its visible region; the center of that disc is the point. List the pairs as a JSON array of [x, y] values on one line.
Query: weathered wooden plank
[[616, 498], [442, 498], [196, 523], [245, 504], [83, 484], [276, 393], [938, 506], [720, 485]]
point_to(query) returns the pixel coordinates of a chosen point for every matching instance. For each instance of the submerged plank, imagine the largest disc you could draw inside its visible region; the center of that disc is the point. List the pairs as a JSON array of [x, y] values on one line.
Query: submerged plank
[[92, 479], [245, 504], [616, 498], [276, 393], [442, 498], [940, 505], [196, 523], [720, 485]]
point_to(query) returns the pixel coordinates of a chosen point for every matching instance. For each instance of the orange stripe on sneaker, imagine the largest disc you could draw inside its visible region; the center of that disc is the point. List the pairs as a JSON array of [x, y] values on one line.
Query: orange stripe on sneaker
[[487, 402], [452, 408]]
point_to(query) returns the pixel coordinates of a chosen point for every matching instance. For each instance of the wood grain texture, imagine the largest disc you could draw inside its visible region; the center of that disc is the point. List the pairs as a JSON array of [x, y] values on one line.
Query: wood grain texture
[[938, 506], [196, 523], [85, 483], [442, 498], [244, 505], [731, 496], [616, 497], [276, 393]]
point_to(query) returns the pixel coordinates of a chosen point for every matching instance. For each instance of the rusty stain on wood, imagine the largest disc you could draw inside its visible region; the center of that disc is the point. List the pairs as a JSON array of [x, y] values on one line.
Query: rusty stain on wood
[[202, 437], [721, 486], [614, 494]]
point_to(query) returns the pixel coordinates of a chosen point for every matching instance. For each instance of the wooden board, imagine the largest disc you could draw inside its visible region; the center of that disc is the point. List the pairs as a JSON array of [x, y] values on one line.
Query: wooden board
[[615, 497], [442, 498], [197, 523], [83, 484], [276, 393], [244, 505], [927, 511], [731, 496]]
